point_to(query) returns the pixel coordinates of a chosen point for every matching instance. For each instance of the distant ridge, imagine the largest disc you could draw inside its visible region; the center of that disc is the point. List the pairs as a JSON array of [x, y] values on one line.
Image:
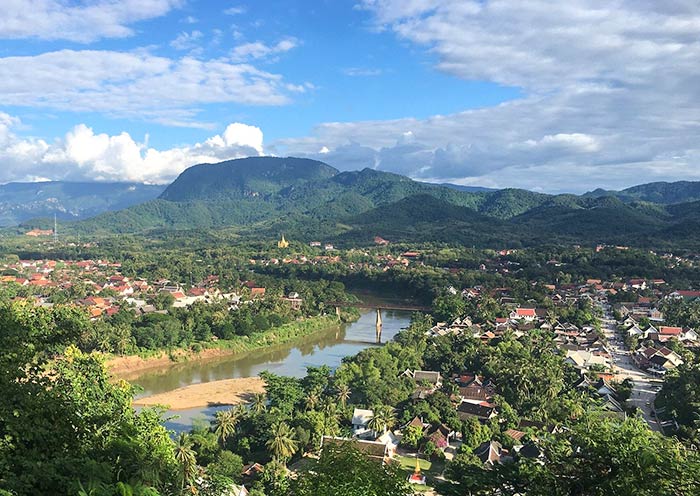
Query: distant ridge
[[20, 202], [459, 187], [666, 193]]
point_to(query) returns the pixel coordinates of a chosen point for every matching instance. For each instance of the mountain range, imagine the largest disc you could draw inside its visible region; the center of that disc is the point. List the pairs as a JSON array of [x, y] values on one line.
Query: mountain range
[[20, 202], [308, 199]]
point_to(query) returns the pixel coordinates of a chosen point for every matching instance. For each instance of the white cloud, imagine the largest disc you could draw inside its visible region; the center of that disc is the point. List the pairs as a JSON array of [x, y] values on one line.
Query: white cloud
[[232, 11], [187, 41], [81, 22], [361, 72], [259, 50], [135, 84], [85, 155], [611, 95]]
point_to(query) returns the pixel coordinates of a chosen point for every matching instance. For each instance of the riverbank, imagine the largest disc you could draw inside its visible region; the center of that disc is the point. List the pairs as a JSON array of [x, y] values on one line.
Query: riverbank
[[217, 393], [129, 367]]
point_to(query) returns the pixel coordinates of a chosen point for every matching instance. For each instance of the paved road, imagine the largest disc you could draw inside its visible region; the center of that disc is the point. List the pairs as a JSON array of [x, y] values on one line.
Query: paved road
[[645, 385]]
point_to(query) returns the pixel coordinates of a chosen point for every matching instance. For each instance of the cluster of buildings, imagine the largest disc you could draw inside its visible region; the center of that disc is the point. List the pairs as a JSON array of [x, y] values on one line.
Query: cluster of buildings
[[100, 287]]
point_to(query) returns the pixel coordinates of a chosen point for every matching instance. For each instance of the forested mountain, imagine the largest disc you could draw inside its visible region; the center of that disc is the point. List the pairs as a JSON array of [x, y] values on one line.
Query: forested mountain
[[245, 178], [264, 196], [659, 192], [69, 200]]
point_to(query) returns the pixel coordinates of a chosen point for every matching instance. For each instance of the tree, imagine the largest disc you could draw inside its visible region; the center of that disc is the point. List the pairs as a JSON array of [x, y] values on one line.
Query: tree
[[343, 394], [344, 470], [259, 403], [412, 437], [225, 422], [384, 418], [64, 421], [282, 444], [227, 464], [187, 460], [597, 456]]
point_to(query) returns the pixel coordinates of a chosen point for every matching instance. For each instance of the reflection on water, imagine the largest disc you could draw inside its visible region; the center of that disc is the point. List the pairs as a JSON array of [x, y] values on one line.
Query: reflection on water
[[325, 348]]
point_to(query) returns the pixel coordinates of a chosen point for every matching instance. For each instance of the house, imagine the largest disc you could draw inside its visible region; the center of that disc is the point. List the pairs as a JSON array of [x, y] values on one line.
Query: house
[[425, 376], [440, 435], [656, 360], [294, 300], [482, 412], [686, 294], [670, 331], [252, 471], [690, 335], [360, 420], [256, 292], [585, 359], [390, 441], [491, 453], [528, 314]]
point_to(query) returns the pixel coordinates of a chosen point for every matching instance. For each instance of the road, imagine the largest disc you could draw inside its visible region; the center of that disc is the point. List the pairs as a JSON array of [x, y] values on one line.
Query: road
[[645, 385]]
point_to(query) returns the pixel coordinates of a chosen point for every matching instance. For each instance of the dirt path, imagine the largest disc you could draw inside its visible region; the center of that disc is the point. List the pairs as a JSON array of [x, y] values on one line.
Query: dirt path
[[226, 392]]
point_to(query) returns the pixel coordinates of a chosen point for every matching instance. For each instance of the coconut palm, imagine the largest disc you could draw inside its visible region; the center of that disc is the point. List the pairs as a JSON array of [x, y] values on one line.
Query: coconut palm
[[259, 403], [186, 458], [225, 421], [344, 393], [383, 419], [330, 415], [282, 444], [311, 401]]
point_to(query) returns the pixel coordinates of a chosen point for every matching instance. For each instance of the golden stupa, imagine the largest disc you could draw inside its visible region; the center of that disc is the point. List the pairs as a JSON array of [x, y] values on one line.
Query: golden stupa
[[282, 243]]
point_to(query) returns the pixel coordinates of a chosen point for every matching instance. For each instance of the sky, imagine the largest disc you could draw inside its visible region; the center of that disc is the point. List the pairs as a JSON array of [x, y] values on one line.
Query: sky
[[547, 96]]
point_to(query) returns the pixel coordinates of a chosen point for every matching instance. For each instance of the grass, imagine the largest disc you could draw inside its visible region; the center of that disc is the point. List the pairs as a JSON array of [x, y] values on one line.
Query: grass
[[428, 468]]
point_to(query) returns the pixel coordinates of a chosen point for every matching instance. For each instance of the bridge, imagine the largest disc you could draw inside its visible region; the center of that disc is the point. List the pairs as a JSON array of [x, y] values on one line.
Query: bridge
[[378, 307]]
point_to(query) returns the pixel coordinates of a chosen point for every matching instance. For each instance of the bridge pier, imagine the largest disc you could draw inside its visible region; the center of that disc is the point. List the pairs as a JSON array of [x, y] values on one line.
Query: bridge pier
[[379, 325]]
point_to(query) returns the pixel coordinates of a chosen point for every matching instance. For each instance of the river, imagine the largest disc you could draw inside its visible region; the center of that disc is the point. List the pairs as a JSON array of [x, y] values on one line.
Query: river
[[328, 347]]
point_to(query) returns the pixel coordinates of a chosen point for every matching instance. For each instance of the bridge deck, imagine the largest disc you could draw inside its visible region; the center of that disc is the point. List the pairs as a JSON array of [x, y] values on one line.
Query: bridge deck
[[380, 306]]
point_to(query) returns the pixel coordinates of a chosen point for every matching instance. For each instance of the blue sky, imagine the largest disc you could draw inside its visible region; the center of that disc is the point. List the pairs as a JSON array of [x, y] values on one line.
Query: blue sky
[[496, 93]]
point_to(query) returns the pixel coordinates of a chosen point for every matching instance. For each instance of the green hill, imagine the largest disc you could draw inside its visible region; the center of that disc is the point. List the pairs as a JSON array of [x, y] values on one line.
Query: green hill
[[245, 178]]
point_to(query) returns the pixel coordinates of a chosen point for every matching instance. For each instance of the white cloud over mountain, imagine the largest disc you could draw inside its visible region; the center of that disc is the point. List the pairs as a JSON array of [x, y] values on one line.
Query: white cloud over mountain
[[611, 94], [85, 155]]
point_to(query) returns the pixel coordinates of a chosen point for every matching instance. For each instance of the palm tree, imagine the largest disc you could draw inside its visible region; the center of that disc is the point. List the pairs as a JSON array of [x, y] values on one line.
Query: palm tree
[[259, 403], [382, 419], [282, 444], [330, 415], [344, 393], [186, 458], [311, 401], [226, 421]]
